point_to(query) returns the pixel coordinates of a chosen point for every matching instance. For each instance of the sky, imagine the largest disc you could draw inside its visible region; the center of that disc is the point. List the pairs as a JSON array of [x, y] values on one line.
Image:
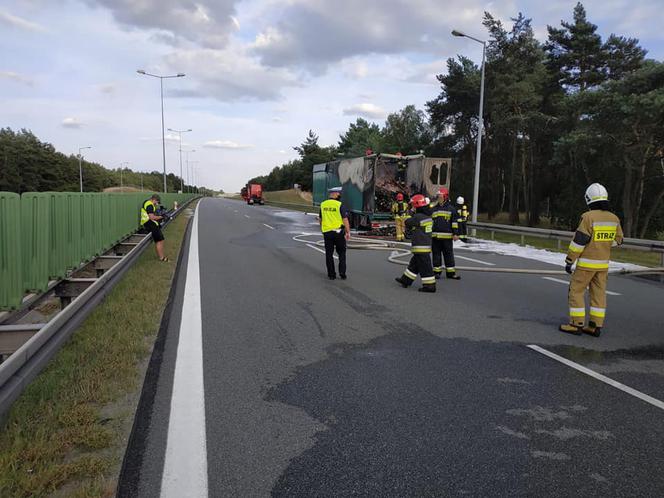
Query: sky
[[259, 73]]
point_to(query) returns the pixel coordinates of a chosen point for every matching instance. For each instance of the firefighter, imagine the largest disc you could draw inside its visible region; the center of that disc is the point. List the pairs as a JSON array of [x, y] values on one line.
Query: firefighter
[[400, 213], [334, 224], [590, 248], [445, 232], [462, 218], [419, 226], [402, 168]]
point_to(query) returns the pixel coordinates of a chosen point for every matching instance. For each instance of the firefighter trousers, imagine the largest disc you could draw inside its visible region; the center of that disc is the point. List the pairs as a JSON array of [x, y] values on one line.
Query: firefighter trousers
[[400, 223], [463, 231], [420, 264], [335, 240], [443, 249], [595, 282]]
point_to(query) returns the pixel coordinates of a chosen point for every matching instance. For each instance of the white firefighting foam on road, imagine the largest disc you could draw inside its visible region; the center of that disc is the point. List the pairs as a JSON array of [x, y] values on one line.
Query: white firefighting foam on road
[[529, 252]]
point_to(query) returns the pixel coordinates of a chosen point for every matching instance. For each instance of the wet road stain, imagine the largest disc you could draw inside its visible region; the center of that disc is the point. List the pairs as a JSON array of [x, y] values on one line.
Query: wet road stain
[[413, 414]]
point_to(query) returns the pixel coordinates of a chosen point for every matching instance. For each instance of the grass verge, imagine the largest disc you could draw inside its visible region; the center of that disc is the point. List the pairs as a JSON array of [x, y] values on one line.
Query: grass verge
[[643, 258], [66, 434]]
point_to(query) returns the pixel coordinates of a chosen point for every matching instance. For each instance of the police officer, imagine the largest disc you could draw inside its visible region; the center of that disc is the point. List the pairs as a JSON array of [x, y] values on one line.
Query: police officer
[[150, 222], [445, 232], [591, 246], [400, 214], [420, 227], [334, 224], [462, 218]]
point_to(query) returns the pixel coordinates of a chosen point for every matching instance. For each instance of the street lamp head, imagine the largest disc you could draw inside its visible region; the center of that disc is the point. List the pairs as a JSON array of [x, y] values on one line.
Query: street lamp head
[[189, 129], [180, 75], [457, 33], [140, 71]]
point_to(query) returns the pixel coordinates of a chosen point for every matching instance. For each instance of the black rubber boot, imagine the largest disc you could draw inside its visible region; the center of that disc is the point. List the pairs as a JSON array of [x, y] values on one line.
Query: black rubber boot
[[427, 288], [592, 329], [453, 276], [437, 275], [405, 282], [570, 328]]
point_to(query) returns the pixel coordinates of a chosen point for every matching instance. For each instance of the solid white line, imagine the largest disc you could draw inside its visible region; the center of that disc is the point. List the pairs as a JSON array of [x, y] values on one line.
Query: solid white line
[[638, 394], [247, 216], [476, 260], [271, 228], [185, 465], [566, 282], [315, 248]]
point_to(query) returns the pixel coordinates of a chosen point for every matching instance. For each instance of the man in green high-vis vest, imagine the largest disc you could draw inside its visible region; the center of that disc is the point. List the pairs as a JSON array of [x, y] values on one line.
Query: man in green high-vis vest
[[334, 224]]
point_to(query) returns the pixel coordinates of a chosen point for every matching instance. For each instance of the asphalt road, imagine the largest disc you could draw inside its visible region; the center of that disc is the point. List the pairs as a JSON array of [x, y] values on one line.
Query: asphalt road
[[320, 388]]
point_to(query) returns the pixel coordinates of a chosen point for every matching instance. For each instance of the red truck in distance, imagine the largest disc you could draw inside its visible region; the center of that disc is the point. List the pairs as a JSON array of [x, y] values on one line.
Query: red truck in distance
[[253, 194]]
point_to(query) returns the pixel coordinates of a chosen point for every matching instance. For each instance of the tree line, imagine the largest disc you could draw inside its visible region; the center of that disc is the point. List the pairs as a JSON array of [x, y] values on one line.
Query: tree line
[[30, 165], [558, 115]]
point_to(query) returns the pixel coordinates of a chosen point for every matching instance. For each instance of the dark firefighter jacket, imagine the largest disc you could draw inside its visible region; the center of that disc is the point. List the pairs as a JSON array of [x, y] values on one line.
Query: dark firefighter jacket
[[420, 226]]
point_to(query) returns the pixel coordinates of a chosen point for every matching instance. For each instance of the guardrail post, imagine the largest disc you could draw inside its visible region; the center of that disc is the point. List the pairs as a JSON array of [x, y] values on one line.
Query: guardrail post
[[523, 240], [493, 235], [558, 244]]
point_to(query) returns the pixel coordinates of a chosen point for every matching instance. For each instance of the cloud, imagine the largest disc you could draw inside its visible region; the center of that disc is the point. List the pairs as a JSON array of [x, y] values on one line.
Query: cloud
[[73, 123], [314, 33], [19, 22], [107, 88], [366, 110], [168, 138], [225, 144], [277, 119], [18, 78], [205, 22], [229, 75]]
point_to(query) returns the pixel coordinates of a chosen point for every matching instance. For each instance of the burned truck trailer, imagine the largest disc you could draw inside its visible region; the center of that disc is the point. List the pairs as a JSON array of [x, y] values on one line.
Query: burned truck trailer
[[370, 183]]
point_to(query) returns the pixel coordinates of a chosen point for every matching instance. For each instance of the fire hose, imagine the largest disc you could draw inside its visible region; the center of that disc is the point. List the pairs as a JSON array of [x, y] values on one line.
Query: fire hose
[[399, 250]]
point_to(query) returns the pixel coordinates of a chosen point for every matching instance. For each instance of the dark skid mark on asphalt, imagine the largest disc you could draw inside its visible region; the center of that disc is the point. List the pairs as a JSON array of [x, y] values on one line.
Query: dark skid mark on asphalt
[[412, 414]]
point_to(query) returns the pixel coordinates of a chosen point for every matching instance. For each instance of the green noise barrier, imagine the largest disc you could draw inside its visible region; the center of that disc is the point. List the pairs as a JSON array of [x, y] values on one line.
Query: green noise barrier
[[45, 235]]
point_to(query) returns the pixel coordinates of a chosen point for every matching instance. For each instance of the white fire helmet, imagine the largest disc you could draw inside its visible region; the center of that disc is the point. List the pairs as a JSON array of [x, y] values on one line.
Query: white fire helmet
[[596, 192], [460, 200]]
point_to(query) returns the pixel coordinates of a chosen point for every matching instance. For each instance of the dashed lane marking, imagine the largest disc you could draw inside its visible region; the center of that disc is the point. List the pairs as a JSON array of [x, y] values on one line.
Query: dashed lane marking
[[271, 228], [566, 282], [185, 464], [320, 250], [633, 392], [247, 216], [475, 260]]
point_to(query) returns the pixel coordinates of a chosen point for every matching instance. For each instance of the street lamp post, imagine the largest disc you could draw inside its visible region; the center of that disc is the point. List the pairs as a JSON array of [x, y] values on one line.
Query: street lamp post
[[180, 132], [187, 166], [193, 174], [121, 167], [480, 128], [163, 135], [80, 166]]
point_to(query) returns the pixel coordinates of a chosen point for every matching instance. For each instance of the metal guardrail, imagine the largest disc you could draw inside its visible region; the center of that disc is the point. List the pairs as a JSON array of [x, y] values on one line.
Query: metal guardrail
[[30, 359], [565, 236]]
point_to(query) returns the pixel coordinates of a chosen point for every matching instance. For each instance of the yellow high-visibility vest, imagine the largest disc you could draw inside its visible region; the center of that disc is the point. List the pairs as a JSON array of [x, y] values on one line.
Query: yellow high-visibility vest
[[330, 211], [144, 213]]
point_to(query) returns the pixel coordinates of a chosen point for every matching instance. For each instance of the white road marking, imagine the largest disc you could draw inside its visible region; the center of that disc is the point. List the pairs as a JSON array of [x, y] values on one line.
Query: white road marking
[[185, 465], [247, 216], [315, 248], [475, 260], [271, 228], [638, 394], [566, 282]]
